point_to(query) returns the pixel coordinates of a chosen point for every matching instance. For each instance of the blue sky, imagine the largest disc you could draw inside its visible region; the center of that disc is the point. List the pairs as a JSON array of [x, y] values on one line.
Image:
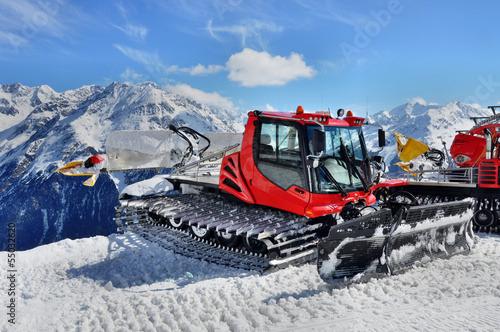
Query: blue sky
[[361, 55]]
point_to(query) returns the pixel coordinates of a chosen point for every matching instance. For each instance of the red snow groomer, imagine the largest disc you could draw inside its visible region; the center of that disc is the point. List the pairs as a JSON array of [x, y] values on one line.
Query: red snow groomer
[[293, 188]]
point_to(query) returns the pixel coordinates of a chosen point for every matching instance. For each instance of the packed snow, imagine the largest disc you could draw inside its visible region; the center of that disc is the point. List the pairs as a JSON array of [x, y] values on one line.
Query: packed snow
[[153, 186], [125, 283]]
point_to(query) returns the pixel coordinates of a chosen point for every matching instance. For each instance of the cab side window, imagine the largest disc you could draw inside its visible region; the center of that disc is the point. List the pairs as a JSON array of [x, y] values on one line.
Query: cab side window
[[279, 155]]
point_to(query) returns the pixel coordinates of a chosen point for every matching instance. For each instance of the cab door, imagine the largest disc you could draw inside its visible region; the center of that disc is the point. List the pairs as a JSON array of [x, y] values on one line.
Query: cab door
[[280, 178]]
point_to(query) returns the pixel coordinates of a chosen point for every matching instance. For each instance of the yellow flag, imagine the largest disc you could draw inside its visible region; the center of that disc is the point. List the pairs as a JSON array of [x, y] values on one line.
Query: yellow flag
[[409, 148]]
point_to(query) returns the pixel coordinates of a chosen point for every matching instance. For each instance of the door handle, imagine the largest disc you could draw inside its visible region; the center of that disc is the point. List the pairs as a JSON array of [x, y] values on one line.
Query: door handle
[[300, 191]]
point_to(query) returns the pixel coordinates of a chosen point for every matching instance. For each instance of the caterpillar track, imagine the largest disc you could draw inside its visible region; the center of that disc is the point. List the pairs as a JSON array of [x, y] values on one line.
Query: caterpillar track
[[211, 228], [486, 208]]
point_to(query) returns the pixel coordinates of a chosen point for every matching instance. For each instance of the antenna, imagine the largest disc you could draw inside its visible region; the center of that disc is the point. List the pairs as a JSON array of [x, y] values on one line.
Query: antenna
[[445, 151]]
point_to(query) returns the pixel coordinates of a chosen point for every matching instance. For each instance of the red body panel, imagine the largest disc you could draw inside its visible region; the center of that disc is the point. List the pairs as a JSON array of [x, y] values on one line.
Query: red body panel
[[489, 174], [231, 179], [324, 204], [267, 193], [389, 184], [473, 147]]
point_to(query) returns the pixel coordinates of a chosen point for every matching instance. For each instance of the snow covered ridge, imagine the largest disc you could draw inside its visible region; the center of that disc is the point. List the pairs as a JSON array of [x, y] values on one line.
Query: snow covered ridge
[[41, 129], [125, 283]]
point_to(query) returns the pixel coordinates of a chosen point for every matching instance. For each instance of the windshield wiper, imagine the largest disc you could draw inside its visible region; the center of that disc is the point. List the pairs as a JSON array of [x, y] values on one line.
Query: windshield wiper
[[352, 165], [330, 178]]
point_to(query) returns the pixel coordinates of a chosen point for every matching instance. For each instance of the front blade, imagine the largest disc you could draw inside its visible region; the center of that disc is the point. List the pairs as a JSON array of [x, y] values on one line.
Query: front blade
[[380, 243], [355, 246], [429, 232]]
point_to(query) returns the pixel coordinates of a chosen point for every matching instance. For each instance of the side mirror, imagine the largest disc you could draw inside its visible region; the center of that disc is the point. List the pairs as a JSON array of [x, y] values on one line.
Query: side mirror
[[318, 141], [381, 138]]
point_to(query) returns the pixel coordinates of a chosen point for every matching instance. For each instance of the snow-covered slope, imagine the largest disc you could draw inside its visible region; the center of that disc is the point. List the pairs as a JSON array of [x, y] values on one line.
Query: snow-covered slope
[[125, 283], [425, 123], [41, 129], [17, 102]]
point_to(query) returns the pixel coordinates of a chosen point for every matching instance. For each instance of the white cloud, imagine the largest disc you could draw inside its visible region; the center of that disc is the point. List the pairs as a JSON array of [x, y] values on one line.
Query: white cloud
[[12, 39], [143, 57], [269, 108], [26, 21], [418, 100], [202, 70], [150, 60], [332, 65], [155, 65], [207, 98], [338, 11], [121, 9], [134, 31], [129, 76], [251, 68], [249, 31]]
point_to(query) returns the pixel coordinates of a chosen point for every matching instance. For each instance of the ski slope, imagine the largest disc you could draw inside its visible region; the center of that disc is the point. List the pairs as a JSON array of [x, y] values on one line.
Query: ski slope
[[125, 283]]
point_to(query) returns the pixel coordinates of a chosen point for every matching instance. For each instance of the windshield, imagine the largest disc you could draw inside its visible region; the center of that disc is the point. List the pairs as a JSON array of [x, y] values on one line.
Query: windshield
[[343, 161]]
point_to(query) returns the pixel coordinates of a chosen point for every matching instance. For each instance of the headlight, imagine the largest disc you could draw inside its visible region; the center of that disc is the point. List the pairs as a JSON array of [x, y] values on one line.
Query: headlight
[[460, 159]]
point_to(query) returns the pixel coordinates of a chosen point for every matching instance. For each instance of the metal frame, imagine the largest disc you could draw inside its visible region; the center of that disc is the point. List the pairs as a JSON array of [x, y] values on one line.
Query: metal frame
[[468, 176], [213, 160]]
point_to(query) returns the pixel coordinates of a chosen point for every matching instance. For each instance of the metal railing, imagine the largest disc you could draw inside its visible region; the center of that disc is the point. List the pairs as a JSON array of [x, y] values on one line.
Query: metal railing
[[462, 175], [208, 163]]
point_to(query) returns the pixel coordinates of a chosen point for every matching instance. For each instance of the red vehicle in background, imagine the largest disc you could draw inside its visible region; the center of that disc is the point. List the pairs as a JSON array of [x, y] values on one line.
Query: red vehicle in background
[[476, 154], [470, 148]]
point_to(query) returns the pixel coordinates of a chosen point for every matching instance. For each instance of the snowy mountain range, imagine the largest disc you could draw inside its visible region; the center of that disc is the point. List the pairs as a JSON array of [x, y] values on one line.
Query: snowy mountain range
[[41, 130]]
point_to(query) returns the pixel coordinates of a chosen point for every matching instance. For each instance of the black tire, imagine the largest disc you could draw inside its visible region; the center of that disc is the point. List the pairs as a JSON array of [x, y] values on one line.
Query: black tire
[[484, 218], [227, 239], [400, 199], [403, 197], [367, 210], [254, 245], [156, 218]]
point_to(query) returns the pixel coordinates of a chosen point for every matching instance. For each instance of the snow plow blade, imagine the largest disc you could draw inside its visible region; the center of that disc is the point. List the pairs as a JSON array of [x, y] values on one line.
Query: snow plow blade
[[380, 243]]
